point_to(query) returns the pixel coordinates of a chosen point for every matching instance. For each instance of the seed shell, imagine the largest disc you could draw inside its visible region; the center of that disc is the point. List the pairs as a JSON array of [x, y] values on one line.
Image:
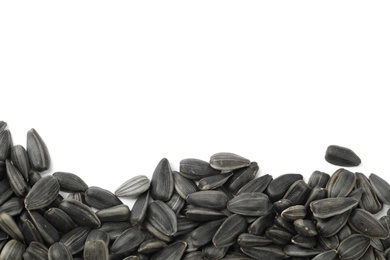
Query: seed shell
[[75, 239], [329, 207], [369, 201], [209, 199], [229, 231], [49, 234], [228, 161], [13, 206], [43, 193], [184, 186], [70, 182], [12, 250], [162, 184], [381, 188], [327, 255], [20, 159], [115, 213], [80, 213], [256, 185], [318, 179], [203, 234], [196, 169], [215, 181], [365, 223], [138, 212], [16, 180], [60, 220], [279, 186], [341, 156], [341, 183], [133, 187], [296, 251], [37, 151], [162, 217], [5, 144], [36, 250], [9, 226], [241, 177], [353, 247], [101, 198], [152, 245], [250, 204]]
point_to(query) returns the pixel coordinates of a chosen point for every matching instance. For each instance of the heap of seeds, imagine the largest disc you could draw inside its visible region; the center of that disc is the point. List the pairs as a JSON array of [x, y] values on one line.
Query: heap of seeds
[[207, 210]]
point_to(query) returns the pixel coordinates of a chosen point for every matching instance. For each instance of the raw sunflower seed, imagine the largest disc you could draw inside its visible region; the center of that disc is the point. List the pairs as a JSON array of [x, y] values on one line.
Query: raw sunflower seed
[[369, 200], [196, 255], [75, 239], [294, 212], [281, 205], [369, 254], [115, 213], [256, 185], [70, 182], [344, 232], [96, 234], [5, 191], [327, 255], [365, 223], [16, 180], [20, 159], [296, 251], [30, 232], [316, 193], [228, 161], [162, 184], [209, 199], [353, 247], [203, 234], [37, 151], [114, 229], [341, 183], [44, 192], [213, 253], [184, 186], [305, 227], [133, 187], [203, 214], [80, 213], [8, 225], [162, 217], [298, 192], [284, 224], [101, 198], [172, 252], [12, 250], [138, 212], [35, 250], [329, 207], [156, 233], [59, 251], [381, 188], [60, 220], [215, 181], [264, 252], [13, 206], [318, 179], [79, 196], [241, 177], [196, 169], [49, 234], [250, 240], [96, 250], [152, 245], [328, 243], [330, 226], [306, 242], [341, 156], [259, 226], [34, 177], [176, 203], [230, 229], [279, 186], [184, 225], [5, 144], [250, 204], [278, 236]]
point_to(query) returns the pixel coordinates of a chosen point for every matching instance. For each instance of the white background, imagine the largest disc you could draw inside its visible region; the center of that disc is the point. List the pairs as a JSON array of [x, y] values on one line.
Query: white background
[[114, 86]]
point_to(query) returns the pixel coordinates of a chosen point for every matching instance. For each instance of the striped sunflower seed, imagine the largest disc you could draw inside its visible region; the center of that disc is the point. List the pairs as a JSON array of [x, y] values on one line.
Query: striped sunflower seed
[[241, 177], [37, 151], [16, 180], [281, 205], [184, 225], [96, 234], [49, 234], [264, 252], [341, 183], [114, 229], [228, 161], [70, 182], [80, 213], [79, 196], [305, 227], [259, 226], [341, 156], [305, 242], [294, 212], [327, 255], [279, 186], [5, 145], [250, 240], [34, 177], [318, 179], [284, 224], [209, 199], [328, 243], [250, 204], [43, 193], [151, 245], [176, 203], [193, 256], [369, 200], [172, 252], [229, 231], [196, 169], [381, 188], [211, 252], [215, 181], [329, 207], [96, 250], [9, 226], [344, 232], [36, 250], [20, 159], [278, 236], [369, 254], [376, 243], [115, 213], [184, 186], [138, 212], [101, 198], [256, 185], [133, 187], [5, 191], [353, 247], [60, 220], [162, 217], [156, 233], [203, 234], [298, 192], [297, 251], [30, 232], [75, 239], [162, 184], [366, 224], [330, 226], [59, 251], [316, 193], [203, 214], [12, 250], [13, 206]]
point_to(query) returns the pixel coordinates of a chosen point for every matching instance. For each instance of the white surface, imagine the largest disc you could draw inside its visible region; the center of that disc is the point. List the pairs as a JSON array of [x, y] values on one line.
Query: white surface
[[113, 87]]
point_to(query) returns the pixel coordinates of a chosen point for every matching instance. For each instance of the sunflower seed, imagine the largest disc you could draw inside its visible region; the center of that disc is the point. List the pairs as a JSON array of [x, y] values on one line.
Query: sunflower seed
[[318, 179], [228, 161], [5, 191], [162, 217], [385, 222], [250, 240], [284, 224], [196, 169], [344, 232], [229, 230], [376, 243], [79, 196], [60, 220], [306, 242], [44, 192], [3, 170], [5, 145], [211, 252], [281, 205], [294, 212], [256, 185], [115, 213], [155, 232], [184, 186], [138, 212], [70, 182], [114, 229], [369, 200], [34, 177], [80, 213], [341, 156], [16, 180], [37, 151], [250, 204], [279, 186], [185, 225], [341, 183], [215, 181], [150, 246], [96, 234], [316, 193], [95, 250], [12, 250], [209, 199], [59, 251], [259, 226], [298, 192], [30, 232], [176, 203], [381, 188], [133, 187], [8, 225], [36, 250], [203, 234], [353, 247], [330, 226], [13, 206], [49, 234], [369, 254], [327, 255], [101, 198], [172, 252], [193, 256], [241, 177], [203, 214], [305, 227], [278, 236], [162, 184], [329, 207], [20, 159], [264, 252], [365, 223], [328, 243], [296, 251], [75, 239]]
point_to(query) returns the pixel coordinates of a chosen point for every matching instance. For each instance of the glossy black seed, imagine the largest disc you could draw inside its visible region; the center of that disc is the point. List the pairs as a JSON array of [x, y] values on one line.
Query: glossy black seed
[[37, 151], [279, 186], [162, 184], [341, 156], [70, 182]]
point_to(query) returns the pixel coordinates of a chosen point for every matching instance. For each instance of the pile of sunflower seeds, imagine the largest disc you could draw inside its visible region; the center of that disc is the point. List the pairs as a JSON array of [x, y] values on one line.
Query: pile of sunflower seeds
[[208, 210]]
